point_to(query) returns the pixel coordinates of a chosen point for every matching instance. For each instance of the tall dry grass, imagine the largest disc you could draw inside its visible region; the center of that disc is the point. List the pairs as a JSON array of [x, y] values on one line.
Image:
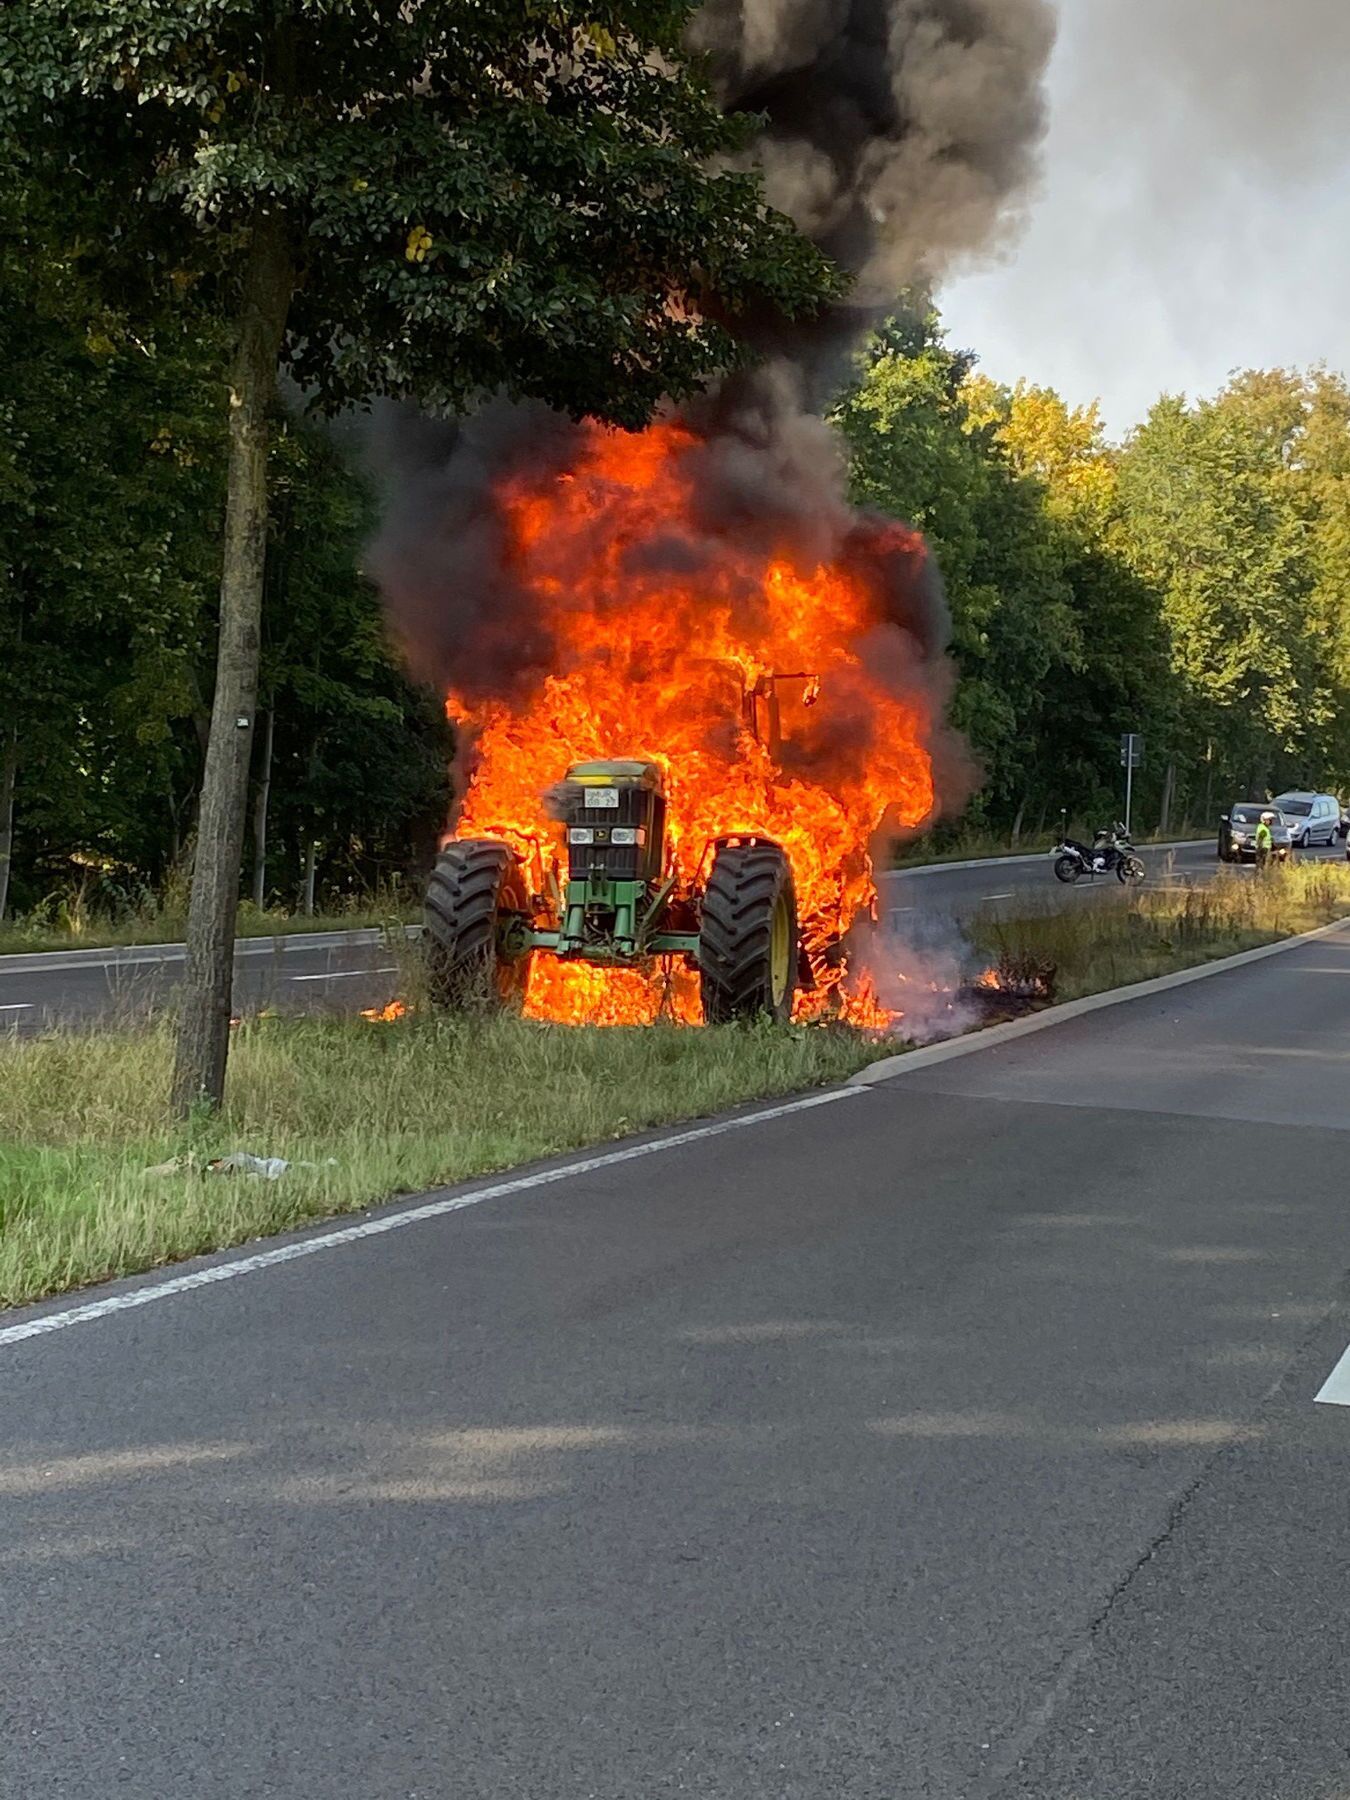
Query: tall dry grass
[[1105, 940]]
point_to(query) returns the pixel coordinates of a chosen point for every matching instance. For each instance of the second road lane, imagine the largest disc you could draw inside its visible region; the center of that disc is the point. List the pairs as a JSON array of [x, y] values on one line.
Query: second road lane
[[341, 971]]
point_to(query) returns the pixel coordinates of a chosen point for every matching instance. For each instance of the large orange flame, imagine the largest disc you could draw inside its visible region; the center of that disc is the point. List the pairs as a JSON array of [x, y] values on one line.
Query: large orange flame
[[645, 660]]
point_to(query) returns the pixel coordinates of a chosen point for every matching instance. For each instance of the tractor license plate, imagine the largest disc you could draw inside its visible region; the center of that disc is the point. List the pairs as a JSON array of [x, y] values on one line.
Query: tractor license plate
[[603, 797]]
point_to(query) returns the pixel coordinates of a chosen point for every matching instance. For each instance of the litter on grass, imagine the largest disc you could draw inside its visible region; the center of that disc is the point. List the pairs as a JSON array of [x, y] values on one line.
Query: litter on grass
[[238, 1162]]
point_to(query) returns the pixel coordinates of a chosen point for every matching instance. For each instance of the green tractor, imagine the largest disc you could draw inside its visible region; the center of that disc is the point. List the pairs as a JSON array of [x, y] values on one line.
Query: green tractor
[[621, 905]]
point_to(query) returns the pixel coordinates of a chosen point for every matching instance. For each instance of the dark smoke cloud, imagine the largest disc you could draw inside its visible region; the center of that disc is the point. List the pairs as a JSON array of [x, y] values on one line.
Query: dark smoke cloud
[[761, 476], [900, 135], [1196, 212], [900, 132]]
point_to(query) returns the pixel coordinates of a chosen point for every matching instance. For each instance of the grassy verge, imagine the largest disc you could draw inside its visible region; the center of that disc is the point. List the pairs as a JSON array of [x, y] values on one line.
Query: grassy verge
[[1122, 937], [379, 1109], [168, 925]]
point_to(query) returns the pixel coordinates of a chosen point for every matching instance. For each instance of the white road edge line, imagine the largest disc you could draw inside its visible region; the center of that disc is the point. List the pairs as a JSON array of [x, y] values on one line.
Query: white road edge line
[[890, 1068], [17, 1006], [996, 896], [347, 974], [1335, 1390], [151, 1294]]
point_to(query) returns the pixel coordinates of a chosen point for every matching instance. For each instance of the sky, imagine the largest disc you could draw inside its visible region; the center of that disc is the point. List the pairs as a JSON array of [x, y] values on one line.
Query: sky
[[1193, 216]]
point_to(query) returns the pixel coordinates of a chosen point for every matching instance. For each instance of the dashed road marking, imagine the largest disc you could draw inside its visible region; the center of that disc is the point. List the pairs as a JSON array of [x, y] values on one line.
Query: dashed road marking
[[346, 974], [1335, 1390]]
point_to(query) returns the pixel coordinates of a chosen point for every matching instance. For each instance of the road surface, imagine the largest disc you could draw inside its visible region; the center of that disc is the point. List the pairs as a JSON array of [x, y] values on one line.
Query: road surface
[[342, 971], [951, 1440]]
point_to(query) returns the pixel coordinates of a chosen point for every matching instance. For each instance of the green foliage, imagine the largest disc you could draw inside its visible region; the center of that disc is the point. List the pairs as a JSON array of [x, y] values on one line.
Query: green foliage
[[481, 196], [1193, 586], [111, 488], [457, 199], [1232, 513]]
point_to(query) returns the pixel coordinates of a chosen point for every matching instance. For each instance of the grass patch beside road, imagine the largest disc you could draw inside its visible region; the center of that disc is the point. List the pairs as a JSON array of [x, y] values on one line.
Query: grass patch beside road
[[397, 1107], [72, 928], [1106, 941], [383, 1108]]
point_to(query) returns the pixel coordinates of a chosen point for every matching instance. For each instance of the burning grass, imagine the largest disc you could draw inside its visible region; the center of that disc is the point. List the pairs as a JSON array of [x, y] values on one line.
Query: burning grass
[[1110, 940], [399, 1106]]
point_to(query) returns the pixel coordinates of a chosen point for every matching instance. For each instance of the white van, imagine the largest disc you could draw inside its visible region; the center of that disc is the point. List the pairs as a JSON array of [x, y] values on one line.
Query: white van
[[1313, 818]]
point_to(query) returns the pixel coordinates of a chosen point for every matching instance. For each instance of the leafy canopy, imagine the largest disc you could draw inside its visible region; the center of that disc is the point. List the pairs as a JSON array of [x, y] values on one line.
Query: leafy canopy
[[479, 194]]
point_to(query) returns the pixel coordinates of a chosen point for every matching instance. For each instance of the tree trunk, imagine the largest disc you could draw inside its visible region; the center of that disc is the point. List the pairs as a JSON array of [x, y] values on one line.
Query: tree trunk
[[204, 1020], [1169, 789], [9, 775], [260, 812], [1016, 833], [311, 862]]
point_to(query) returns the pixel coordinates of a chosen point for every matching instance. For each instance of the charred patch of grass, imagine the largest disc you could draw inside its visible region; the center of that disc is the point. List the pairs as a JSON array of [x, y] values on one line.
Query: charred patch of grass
[[1100, 941]]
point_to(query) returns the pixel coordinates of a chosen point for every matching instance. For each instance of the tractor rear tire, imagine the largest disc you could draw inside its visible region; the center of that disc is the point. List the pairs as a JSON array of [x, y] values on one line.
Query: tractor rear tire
[[476, 891], [748, 939]]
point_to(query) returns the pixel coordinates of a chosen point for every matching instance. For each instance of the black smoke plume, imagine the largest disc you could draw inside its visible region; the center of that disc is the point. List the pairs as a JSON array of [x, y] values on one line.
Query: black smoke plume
[[900, 135]]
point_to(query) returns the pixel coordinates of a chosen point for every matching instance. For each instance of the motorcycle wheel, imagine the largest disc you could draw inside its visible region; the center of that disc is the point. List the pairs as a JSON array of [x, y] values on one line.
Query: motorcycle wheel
[[1129, 868], [1067, 868]]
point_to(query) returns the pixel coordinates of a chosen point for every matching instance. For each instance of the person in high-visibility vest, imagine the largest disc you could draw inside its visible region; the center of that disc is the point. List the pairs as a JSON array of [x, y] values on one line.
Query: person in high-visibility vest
[[1265, 843]]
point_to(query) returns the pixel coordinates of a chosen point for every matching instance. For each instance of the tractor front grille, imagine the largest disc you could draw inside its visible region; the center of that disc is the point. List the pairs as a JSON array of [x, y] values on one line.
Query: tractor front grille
[[614, 831]]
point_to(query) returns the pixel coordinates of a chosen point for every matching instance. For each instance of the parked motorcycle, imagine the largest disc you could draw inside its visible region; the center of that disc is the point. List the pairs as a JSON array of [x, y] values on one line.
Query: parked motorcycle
[[1111, 852]]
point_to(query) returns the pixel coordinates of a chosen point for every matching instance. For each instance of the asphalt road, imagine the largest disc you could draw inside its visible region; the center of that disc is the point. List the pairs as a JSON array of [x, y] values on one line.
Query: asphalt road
[[951, 1440], [306, 972], [341, 971]]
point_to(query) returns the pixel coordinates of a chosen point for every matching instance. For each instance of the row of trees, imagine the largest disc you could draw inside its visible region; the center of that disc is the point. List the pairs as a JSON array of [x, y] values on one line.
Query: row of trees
[[1192, 584], [112, 475], [423, 203]]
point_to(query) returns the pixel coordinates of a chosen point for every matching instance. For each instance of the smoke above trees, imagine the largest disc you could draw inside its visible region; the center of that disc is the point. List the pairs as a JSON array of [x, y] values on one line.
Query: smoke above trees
[[900, 135]]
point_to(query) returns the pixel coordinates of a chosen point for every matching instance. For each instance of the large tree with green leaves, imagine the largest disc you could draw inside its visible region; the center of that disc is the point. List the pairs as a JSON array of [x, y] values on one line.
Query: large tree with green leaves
[[918, 453], [427, 201], [1215, 520]]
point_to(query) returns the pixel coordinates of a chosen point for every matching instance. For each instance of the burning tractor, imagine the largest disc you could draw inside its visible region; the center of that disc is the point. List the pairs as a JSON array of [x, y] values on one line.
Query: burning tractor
[[622, 903]]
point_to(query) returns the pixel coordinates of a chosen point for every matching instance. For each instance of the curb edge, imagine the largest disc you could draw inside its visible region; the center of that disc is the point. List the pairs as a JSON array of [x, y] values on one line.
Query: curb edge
[[892, 1067]]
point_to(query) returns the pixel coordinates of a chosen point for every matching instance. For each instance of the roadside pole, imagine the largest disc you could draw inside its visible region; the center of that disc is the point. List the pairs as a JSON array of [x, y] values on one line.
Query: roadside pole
[[1129, 792], [1131, 756]]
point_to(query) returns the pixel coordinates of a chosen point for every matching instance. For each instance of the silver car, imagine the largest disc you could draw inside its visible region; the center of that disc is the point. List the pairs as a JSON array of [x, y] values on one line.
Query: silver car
[[1313, 818]]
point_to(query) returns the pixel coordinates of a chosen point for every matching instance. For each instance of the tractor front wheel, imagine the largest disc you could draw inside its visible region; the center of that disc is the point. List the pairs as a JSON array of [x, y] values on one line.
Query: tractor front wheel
[[748, 941], [476, 902]]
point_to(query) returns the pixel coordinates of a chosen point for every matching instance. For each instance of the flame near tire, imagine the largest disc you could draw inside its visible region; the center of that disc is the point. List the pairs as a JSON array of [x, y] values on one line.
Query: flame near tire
[[649, 623]]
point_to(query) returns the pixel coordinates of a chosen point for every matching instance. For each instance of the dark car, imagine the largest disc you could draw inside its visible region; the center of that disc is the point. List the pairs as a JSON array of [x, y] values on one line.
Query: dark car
[[1237, 832]]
